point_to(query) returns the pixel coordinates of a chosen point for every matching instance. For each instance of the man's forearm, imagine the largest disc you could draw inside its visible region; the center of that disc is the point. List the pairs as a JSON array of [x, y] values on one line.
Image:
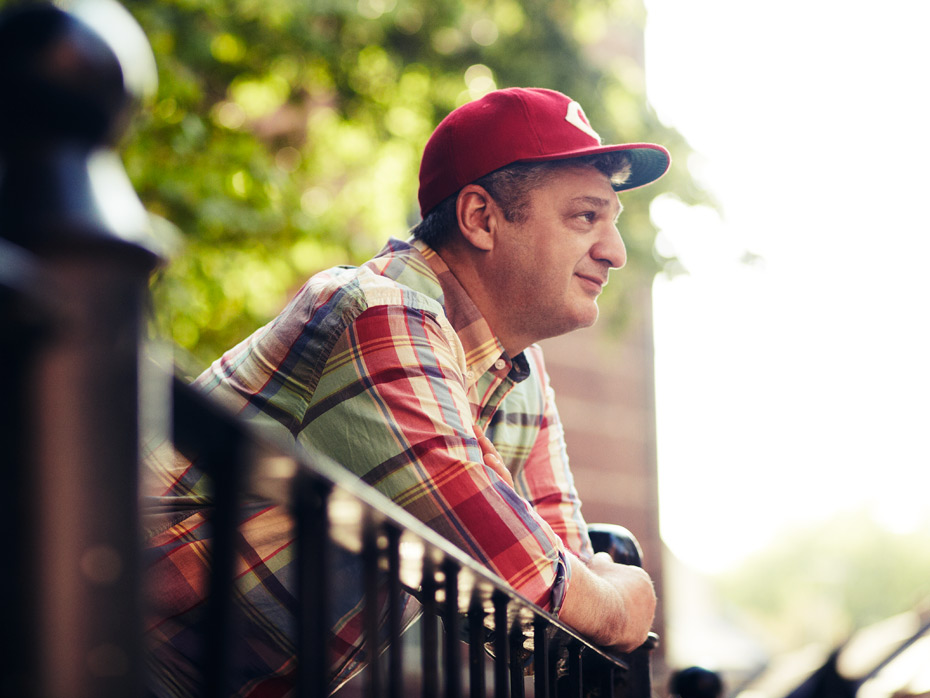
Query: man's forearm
[[613, 605]]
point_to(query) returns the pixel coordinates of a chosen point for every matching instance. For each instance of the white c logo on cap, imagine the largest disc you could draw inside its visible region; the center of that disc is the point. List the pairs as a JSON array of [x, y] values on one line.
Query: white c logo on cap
[[576, 118]]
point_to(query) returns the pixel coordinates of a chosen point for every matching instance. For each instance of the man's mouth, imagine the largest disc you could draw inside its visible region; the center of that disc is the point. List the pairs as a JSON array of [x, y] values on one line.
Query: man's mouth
[[595, 282]]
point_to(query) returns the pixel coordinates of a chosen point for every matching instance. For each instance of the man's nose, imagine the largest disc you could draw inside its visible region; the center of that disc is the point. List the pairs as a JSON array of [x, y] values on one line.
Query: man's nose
[[610, 248]]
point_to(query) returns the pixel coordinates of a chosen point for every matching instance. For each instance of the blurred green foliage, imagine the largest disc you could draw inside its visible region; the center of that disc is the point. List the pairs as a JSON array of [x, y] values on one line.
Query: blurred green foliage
[[286, 136], [820, 583]]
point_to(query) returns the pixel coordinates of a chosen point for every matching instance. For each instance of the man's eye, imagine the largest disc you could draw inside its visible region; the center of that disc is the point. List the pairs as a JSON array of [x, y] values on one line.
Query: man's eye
[[589, 216]]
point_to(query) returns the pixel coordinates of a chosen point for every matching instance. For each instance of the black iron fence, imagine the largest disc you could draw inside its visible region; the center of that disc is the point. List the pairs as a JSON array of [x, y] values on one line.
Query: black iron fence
[[74, 263]]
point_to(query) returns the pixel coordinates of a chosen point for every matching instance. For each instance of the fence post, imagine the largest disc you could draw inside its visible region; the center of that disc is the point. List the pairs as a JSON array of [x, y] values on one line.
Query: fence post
[[623, 548], [23, 314], [68, 80]]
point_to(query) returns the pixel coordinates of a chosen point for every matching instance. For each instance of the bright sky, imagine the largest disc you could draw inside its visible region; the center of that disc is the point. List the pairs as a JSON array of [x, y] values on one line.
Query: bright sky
[[799, 385]]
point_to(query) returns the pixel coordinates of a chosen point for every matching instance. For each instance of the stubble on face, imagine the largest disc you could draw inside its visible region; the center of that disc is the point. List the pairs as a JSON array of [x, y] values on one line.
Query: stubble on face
[[546, 273]]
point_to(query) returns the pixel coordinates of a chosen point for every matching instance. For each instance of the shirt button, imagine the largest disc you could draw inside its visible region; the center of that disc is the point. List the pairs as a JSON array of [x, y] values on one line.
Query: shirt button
[[499, 364], [470, 375]]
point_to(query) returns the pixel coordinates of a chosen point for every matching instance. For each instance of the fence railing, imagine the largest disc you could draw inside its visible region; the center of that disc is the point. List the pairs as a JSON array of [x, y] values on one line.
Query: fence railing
[[74, 264]]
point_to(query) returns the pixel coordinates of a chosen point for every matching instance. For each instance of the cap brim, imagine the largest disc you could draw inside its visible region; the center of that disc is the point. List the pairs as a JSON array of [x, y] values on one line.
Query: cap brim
[[648, 161]]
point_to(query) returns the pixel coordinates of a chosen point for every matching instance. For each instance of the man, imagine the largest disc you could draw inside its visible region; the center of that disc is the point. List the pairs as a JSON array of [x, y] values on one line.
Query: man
[[419, 372]]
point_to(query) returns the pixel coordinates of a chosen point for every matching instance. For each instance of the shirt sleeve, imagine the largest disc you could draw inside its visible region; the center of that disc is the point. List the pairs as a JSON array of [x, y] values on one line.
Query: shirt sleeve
[[391, 406], [545, 479]]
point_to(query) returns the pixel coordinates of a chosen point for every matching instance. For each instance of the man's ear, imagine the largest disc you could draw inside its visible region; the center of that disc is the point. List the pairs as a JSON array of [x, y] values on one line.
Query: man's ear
[[477, 214]]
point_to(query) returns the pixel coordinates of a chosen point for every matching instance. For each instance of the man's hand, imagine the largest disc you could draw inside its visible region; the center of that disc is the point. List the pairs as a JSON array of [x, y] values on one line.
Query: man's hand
[[640, 598], [611, 604], [492, 458]]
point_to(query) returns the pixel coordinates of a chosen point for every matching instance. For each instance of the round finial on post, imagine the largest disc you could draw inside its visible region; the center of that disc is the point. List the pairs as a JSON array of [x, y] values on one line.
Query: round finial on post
[[70, 76], [70, 81]]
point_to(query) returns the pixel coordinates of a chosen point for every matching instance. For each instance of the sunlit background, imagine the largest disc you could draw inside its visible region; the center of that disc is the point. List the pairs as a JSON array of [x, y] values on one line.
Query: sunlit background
[[792, 357]]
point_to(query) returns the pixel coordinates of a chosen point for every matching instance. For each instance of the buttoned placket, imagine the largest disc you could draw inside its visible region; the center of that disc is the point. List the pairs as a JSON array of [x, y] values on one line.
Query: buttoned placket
[[492, 388]]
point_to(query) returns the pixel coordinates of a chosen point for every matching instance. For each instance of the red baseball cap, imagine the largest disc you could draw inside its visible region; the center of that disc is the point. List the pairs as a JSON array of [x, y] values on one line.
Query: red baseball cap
[[519, 125]]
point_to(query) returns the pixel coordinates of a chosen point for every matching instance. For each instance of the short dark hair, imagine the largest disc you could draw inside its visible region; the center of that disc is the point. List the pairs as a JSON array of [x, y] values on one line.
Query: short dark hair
[[510, 187]]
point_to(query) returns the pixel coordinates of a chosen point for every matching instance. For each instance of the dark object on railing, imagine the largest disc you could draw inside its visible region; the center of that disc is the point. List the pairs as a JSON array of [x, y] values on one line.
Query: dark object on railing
[[66, 202], [826, 682], [695, 682], [617, 542]]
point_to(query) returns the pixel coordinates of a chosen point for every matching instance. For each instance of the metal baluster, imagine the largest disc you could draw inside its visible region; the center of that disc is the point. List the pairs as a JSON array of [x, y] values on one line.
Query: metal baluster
[[639, 679], [575, 674], [198, 424], [516, 660], [453, 657], [225, 465], [395, 647], [429, 622], [541, 657], [607, 681], [476, 681], [555, 649], [312, 550], [370, 557], [501, 660]]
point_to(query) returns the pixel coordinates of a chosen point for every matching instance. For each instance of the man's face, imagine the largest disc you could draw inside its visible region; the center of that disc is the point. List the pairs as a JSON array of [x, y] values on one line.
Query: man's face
[[550, 269]]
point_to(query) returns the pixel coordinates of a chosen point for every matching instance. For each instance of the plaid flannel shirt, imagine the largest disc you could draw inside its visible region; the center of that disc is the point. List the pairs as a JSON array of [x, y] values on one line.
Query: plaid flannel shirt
[[385, 368]]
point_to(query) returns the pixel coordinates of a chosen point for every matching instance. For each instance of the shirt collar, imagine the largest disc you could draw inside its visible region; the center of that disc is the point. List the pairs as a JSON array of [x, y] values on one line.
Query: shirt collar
[[483, 350]]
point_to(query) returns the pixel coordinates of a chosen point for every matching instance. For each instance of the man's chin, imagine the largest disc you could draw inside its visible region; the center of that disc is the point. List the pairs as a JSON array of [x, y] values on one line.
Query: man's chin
[[583, 320], [569, 322], [590, 317]]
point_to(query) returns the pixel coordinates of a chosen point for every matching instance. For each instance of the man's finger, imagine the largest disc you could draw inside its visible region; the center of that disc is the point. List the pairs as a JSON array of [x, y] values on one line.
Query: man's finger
[[491, 457]]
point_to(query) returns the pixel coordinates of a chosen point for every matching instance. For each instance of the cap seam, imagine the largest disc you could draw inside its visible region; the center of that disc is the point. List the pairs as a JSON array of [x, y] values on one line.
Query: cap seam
[[529, 120], [451, 153]]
